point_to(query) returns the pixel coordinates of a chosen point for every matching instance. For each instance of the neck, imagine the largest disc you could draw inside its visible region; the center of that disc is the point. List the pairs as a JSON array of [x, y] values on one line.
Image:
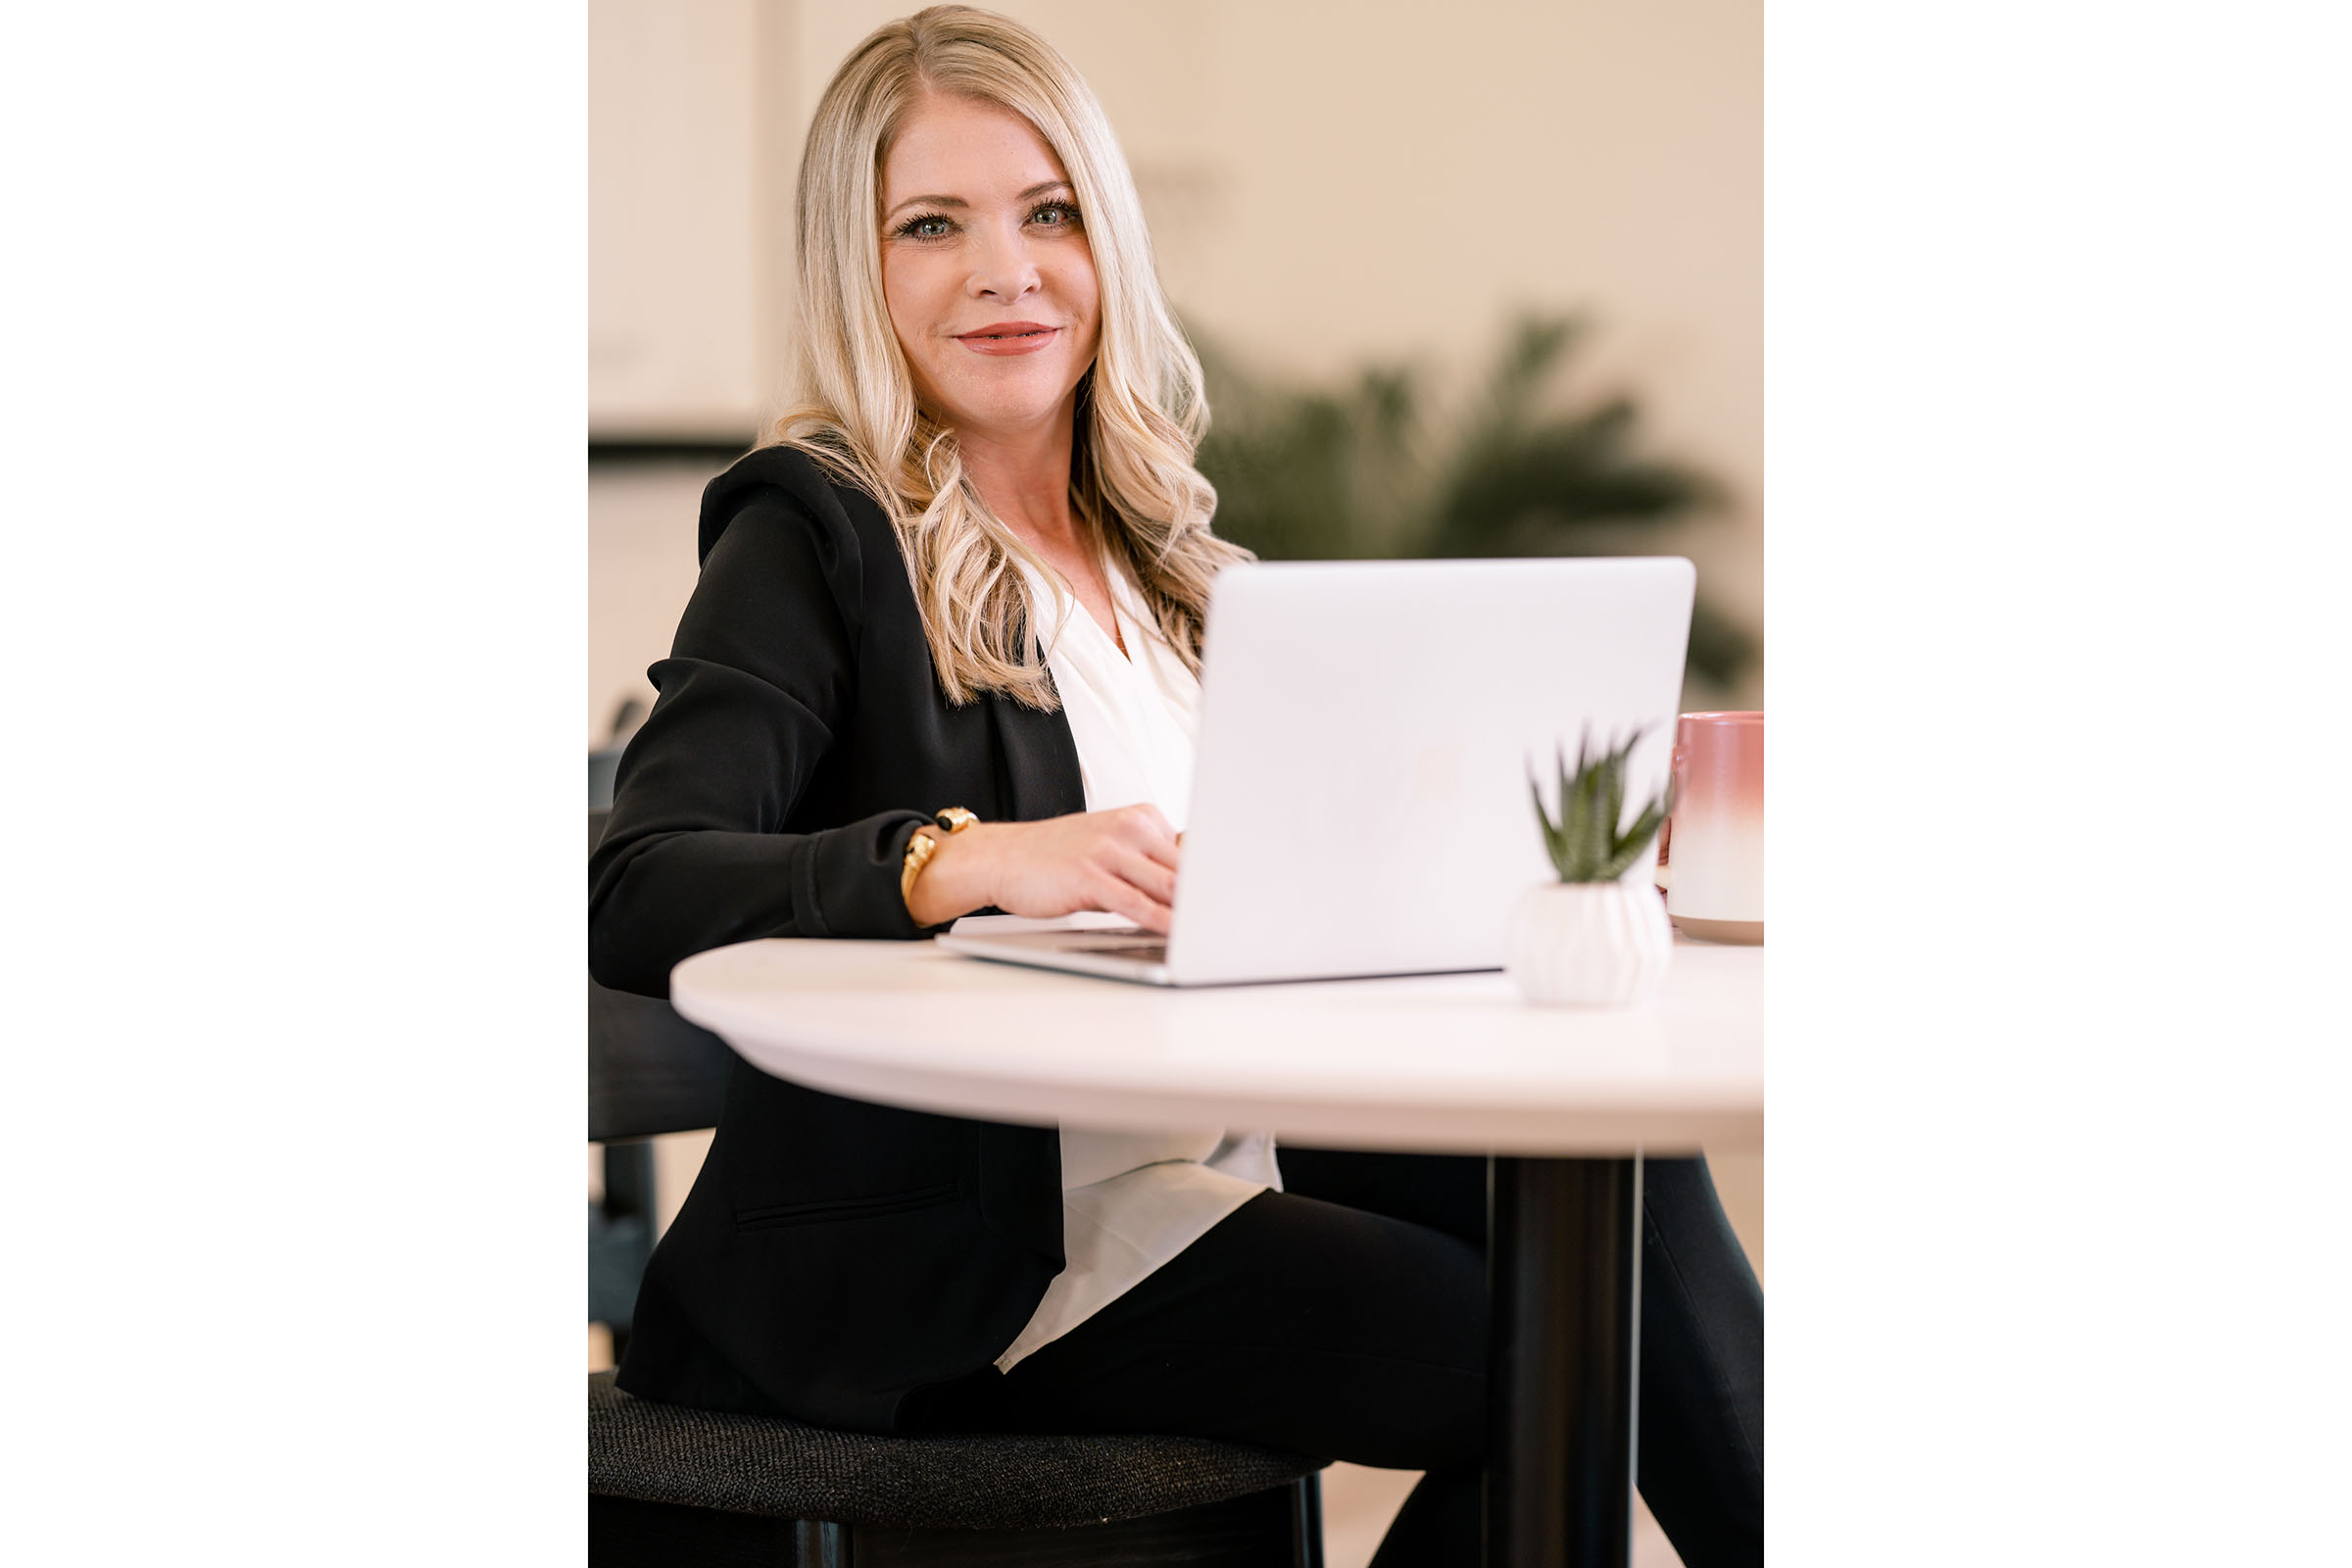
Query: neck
[[1024, 477]]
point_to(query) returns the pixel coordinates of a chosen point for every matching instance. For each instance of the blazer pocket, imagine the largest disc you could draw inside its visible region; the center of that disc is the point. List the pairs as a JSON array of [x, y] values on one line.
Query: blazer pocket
[[772, 1215]]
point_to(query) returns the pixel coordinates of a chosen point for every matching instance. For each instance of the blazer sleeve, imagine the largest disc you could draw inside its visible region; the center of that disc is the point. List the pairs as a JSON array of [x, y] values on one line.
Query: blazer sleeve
[[751, 700]]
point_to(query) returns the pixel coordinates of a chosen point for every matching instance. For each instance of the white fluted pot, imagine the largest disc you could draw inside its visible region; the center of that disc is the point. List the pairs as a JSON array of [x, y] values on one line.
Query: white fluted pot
[[1589, 944]]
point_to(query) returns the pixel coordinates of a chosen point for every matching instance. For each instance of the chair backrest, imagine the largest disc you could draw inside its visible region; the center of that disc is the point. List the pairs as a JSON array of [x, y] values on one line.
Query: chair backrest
[[649, 1070]]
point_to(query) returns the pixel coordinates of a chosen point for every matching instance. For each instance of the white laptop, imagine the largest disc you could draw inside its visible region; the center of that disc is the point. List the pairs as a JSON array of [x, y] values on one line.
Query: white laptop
[[1360, 800]]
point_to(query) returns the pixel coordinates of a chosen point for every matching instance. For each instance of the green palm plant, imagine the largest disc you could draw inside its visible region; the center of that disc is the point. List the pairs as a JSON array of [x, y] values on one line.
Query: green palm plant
[[1585, 842], [1376, 469]]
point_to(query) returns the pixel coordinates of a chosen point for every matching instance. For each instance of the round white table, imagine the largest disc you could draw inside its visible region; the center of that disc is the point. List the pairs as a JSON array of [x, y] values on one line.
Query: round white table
[[1565, 1101]]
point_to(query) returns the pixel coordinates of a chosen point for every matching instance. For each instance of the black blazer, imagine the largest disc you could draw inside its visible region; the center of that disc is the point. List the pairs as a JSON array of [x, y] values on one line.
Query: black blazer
[[833, 1254]]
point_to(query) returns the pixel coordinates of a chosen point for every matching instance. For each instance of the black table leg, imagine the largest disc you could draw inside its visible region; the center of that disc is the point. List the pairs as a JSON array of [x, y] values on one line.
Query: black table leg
[[1564, 1275]]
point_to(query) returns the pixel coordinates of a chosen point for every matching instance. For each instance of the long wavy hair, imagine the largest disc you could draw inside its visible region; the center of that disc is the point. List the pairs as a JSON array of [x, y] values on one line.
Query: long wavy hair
[[1140, 408]]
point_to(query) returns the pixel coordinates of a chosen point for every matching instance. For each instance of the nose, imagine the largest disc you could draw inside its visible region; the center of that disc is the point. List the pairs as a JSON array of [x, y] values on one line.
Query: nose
[[1003, 270]]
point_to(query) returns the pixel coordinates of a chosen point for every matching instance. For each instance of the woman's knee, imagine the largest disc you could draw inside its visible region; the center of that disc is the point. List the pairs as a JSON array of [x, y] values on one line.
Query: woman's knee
[[1444, 1192]]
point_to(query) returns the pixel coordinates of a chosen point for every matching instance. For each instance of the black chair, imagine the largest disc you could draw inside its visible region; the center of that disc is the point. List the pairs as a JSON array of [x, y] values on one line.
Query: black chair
[[671, 1486], [650, 1072]]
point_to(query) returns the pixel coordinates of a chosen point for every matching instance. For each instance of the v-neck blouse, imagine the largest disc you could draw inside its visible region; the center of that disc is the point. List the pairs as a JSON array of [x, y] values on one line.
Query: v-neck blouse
[[1130, 1202], [1132, 716]]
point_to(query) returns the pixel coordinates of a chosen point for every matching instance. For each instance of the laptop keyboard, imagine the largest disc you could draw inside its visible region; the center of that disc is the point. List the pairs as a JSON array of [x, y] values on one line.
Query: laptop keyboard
[[1147, 952]]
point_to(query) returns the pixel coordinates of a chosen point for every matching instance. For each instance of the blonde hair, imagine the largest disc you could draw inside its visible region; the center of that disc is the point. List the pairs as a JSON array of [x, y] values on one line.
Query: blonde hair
[[1140, 408]]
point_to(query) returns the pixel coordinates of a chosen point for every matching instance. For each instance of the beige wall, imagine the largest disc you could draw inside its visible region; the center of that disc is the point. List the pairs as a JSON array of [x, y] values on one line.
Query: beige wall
[[641, 569], [685, 196]]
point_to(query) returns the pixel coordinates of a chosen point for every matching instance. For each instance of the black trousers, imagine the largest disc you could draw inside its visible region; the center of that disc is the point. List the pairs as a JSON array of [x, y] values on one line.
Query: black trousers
[[1347, 1317]]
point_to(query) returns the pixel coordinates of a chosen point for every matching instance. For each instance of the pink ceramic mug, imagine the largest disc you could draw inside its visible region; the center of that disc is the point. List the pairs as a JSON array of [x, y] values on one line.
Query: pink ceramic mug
[[1714, 843]]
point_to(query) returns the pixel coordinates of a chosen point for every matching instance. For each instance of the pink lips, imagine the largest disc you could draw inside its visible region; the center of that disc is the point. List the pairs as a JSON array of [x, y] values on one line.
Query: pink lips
[[1009, 337]]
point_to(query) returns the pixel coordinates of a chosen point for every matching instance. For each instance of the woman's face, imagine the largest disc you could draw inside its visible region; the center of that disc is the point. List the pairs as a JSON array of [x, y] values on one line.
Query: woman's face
[[985, 268]]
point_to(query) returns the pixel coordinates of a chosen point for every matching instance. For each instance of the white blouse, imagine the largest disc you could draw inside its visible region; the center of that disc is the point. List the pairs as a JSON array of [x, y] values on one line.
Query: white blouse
[[1130, 1202]]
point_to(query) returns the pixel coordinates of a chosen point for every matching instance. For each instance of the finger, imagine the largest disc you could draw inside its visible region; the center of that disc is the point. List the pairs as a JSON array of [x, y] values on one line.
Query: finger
[[1154, 878], [1120, 897], [1160, 852], [1149, 831], [1147, 820], [1140, 904], [1129, 903]]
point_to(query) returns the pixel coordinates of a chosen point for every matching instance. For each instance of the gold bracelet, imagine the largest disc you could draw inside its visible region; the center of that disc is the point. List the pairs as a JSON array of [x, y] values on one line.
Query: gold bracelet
[[920, 848]]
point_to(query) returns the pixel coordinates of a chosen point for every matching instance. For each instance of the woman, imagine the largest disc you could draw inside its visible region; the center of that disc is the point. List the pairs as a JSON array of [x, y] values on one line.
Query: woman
[[970, 572]]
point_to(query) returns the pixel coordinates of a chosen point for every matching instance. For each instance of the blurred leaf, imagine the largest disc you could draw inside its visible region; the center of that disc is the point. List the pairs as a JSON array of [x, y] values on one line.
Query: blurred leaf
[[1721, 648], [1586, 844], [1370, 471]]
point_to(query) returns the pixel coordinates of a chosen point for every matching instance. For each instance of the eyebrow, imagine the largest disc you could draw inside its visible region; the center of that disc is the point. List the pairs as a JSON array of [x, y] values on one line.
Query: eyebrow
[[957, 200]]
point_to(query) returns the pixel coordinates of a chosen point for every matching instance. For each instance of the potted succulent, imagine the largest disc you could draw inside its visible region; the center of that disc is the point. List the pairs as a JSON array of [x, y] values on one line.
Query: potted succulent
[[1595, 937]]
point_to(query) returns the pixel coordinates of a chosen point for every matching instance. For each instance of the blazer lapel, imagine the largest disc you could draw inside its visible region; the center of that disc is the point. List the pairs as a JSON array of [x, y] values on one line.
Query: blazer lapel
[[1039, 761]]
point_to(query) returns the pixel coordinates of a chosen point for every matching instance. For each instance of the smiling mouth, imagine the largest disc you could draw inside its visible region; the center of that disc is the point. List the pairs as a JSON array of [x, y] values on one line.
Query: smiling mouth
[[1011, 339]]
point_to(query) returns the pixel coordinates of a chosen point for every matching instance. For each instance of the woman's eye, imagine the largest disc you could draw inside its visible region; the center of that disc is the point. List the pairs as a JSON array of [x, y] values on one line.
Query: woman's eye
[[1054, 214], [933, 228]]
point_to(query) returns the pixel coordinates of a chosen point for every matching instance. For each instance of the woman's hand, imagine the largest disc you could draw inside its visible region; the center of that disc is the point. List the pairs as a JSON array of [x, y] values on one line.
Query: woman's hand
[[1122, 860]]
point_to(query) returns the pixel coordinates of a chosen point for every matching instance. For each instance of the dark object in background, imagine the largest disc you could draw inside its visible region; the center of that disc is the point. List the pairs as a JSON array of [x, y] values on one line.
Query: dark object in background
[[650, 1072], [605, 759], [1373, 472]]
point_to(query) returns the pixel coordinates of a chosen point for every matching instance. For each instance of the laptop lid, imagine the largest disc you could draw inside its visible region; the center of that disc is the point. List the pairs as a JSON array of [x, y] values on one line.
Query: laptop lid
[[1360, 795]]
